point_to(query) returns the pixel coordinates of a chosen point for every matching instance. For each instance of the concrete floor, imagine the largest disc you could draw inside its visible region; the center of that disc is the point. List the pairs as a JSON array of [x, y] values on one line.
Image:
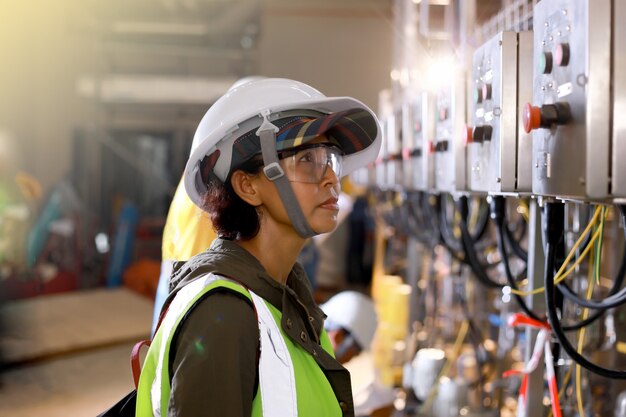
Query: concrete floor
[[69, 354], [82, 384]]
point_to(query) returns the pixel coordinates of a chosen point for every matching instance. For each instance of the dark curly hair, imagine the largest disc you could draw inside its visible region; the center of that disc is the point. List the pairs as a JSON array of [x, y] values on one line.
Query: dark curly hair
[[232, 217]]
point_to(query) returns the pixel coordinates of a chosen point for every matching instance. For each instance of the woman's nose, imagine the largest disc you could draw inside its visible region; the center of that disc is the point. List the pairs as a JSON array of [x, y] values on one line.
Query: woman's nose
[[330, 176]]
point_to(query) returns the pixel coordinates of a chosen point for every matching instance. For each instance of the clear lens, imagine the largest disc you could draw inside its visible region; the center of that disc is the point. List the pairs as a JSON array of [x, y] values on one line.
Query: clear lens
[[310, 163]]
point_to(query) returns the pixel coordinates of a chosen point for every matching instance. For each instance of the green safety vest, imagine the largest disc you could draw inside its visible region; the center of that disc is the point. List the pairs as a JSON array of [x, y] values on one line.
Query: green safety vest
[[291, 383]]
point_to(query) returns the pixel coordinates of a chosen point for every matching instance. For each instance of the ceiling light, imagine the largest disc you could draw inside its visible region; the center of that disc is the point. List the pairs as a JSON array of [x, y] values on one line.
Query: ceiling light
[[161, 28]]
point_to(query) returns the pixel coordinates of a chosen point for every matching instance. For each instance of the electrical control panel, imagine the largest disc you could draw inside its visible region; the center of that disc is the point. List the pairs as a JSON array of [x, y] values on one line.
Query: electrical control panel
[[418, 131], [569, 115], [499, 151], [364, 176], [618, 165], [393, 157], [380, 172], [449, 149]]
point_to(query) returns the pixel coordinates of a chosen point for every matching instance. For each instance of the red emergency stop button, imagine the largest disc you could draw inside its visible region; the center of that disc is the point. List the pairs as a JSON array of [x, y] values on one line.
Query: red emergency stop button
[[531, 117], [468, 135], [545, 116], [561, 54]]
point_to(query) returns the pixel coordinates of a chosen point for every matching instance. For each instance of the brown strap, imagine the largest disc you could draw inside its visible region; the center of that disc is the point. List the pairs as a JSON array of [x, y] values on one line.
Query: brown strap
[[135, 363]]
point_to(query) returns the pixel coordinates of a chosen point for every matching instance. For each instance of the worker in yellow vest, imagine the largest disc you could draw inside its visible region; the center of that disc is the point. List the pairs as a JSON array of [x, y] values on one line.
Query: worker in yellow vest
[[188, 231], [242, 335]]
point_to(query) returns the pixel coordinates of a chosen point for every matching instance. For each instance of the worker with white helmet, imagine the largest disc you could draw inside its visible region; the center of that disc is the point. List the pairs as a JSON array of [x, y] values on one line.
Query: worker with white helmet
[[242, 335], [351, 323], [187, 232]]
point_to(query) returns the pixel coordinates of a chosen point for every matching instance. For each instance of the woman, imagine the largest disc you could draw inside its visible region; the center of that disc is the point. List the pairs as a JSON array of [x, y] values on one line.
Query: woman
[[241, 335]]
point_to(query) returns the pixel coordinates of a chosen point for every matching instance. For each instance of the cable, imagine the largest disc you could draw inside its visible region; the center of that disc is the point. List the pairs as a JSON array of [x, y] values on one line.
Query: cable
[[560, 276], [476, 336], [555, 218], [515, 245], [581, 338], [470, 250], [419, 224], [616, 296], [498, 217], [454, 247], [481, 223], [585, 322]]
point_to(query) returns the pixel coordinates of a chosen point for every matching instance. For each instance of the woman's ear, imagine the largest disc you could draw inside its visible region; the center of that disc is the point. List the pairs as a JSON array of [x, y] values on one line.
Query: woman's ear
[[245, 186]]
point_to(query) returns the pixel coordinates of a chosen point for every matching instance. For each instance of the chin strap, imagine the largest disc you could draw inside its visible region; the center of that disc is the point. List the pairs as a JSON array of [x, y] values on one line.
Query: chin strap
[[274, 172]]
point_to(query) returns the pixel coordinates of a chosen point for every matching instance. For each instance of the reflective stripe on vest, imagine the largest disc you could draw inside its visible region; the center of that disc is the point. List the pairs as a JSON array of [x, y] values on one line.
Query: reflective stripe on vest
[[276, 373], [277, 398]]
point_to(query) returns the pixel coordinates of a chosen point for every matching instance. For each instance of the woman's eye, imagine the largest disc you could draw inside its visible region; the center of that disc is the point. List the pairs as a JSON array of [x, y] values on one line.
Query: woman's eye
[[306, 157]]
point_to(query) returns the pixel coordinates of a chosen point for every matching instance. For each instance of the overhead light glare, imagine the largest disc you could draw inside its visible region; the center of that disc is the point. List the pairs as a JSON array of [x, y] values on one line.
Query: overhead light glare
[[434, 2], [160, 28]]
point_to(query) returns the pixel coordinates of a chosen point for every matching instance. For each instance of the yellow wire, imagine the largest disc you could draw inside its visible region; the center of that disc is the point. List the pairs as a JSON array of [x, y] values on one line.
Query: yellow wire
[[599, 246], [474, 214], [581, 338], [523, 210], [456, 350], [558, 278], [559, 275]]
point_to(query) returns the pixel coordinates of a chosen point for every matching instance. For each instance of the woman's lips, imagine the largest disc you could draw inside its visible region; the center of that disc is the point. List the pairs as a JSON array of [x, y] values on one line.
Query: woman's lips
[[331, 204]]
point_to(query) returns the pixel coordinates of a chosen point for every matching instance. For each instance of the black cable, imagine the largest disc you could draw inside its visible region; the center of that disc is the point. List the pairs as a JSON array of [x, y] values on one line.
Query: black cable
[[432, 215], [454, 247], [554, 214], [482, 222], [498, 217], [515, 244], [470, 251], [586, 322], [615, 299], [419, 225]]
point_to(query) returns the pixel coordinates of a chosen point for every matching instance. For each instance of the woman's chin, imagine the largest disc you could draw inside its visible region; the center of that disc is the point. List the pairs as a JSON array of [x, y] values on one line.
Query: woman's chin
[[322, 227]]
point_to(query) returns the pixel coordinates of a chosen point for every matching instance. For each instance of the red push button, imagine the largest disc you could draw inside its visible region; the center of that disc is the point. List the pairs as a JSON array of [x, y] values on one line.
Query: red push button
[[545, 116], [531, 117], [468, 135]]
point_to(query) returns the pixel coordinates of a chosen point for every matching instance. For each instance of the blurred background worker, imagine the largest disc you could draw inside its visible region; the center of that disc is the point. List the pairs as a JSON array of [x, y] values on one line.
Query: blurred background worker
[[351, 323], [188, 231]]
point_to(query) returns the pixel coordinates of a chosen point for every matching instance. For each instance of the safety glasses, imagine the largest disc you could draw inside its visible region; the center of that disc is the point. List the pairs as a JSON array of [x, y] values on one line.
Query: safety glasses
[[309, 163]]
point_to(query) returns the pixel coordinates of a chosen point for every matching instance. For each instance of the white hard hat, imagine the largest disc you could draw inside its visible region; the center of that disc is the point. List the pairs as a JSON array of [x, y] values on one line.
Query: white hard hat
[[354, 312], [242, 110], [246, 80]]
